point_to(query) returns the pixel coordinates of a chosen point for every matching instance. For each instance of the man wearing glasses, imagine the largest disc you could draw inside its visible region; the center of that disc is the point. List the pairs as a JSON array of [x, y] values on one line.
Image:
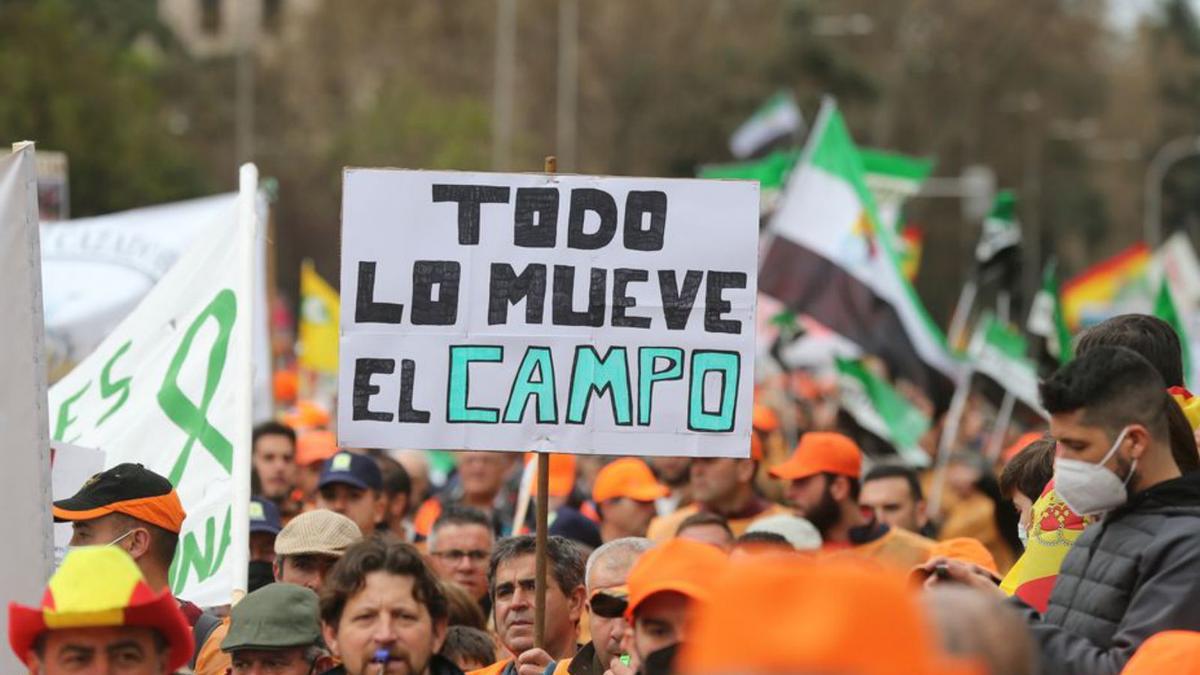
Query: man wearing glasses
[[460, 545], [607, 570]]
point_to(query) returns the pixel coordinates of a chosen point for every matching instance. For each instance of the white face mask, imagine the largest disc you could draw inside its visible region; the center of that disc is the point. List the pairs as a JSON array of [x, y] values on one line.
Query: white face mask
[[1023, 535], [111, 543], [1091, 489]]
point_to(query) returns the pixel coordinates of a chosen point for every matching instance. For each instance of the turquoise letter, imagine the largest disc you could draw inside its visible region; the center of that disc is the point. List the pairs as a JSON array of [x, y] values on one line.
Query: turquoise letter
[[704, 362], [591, 373], [536, 359], [647, 375], [461, 357]]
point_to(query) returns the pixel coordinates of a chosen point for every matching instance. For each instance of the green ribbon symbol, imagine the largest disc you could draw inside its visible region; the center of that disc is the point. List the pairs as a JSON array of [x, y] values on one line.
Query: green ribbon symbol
[[189, 417]]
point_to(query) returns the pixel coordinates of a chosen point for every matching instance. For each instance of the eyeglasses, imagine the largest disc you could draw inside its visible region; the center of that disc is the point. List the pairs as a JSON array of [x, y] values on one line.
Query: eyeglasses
[[608, 606], [455, 555]]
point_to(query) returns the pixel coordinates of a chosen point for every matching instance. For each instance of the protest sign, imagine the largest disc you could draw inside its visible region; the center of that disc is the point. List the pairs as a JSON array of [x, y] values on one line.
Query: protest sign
[[24, 440], [70, 467], [549, 313], [170, 388]]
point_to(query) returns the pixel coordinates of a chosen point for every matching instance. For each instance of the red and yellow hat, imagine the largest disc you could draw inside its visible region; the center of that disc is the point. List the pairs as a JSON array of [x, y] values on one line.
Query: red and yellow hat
[[95, 587]]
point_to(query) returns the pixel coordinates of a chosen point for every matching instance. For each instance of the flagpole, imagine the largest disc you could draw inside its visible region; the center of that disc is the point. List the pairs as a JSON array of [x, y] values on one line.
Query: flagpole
[[1003, 420], [543, 517], [958, 406], [239, 528], [962, 312]]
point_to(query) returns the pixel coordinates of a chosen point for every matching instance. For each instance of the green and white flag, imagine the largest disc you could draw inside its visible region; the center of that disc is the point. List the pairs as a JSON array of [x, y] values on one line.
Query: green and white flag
[[999, 353], [882, 411], [1000, 228], [778, 119], [771, 172], [1046, 319], [170, 388], [1167, 309], [892, 179]]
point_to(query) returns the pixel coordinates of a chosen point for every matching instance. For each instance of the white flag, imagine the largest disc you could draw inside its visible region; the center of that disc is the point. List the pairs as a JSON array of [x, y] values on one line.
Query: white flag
[[169, 388]]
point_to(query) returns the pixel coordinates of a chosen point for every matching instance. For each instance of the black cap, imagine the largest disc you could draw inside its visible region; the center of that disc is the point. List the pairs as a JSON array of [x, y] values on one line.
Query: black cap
[[127, 488]]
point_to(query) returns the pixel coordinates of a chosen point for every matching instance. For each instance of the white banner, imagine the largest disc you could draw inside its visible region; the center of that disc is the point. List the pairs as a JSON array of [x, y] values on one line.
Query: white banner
[[554, 313], [24, 440], [96, 270], [70, 467], [169, 388]]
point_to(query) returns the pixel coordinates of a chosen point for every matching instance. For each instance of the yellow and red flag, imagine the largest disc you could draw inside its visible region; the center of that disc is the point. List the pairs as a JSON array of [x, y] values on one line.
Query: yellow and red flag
[[1101, 286], [319, 319], [1053, 529]]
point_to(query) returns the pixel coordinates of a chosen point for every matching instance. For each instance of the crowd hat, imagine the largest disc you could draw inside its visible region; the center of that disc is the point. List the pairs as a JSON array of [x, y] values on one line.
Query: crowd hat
[[276, 616], [100, 587], [821, 452], [560, 478], [801, 534], [679, 565], [352, 469], [764, 419], [317, 532], [627, 477], [264, 516], [812, 616], [131, 489], [315, 446]]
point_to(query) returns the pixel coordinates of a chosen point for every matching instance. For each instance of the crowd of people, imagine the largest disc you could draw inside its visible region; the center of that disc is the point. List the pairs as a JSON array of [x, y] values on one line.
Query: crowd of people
[[1075, 551]]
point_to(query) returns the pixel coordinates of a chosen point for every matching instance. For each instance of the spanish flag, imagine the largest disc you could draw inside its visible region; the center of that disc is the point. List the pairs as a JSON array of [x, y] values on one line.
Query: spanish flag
[[319, 319], [1053, 529]]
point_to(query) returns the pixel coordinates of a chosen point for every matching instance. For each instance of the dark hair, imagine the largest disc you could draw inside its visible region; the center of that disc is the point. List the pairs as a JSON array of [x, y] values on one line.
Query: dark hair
[[1149, 336], [163, 542], [567, 559], [466, 643], [463, 610], [272, 428], [1115, 386], [395, 478], [881, 471], [348, 576], [1030, 470], [458, 514], [764, 537], [704, 518]]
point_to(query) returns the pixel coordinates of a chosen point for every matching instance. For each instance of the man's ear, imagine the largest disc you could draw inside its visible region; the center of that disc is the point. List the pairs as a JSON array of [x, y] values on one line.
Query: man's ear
[[277, 568], [139, 543], [922, 512], [330, 634], [839, 487], [324, 663], [381, 504], [575, 603], [439, 633], [1139, 439], [746, 468]]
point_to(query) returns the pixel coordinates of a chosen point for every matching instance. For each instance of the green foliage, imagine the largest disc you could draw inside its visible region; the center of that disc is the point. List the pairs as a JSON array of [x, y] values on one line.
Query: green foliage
[[88, 92]]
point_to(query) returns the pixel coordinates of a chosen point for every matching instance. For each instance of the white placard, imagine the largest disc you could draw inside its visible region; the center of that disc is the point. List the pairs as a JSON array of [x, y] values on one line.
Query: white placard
[[70, 467], [556, 313]]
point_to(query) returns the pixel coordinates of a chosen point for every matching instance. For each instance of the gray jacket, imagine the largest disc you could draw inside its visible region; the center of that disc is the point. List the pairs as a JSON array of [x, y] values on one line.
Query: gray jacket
[[1129, 576]]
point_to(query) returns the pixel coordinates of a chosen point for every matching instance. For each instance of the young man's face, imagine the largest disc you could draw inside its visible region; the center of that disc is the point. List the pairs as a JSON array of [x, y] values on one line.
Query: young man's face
[[892, 501], [364, 507], [607, 631], [121, 650], [714, 480], [385, 614], [460, 553], [273, 455], [659, 622], [482, 473], [304, 570], [628, 517], [513, 605]]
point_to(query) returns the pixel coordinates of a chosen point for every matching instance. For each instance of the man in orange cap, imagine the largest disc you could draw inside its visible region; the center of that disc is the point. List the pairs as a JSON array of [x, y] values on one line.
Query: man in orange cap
[[668, 584], [624, 493], [98, 614], [313, 448], [723, 486], [811, 616], [823, 475], [137, 510]]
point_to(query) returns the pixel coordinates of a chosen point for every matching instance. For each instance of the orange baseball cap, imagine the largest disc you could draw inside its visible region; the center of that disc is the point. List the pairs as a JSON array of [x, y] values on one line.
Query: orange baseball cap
[[307, 415], [286, 384], [315, 446], [1171, 651], [1023, 442], [627, 477], [764, 418], [811, 616], [127, 488], [965, 549], [97, 587], [562, 474], [679, 565], [821, 452]]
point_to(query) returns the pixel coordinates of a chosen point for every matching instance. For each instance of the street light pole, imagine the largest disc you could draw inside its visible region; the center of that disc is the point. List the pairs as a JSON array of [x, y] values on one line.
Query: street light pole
[[1171, 152]]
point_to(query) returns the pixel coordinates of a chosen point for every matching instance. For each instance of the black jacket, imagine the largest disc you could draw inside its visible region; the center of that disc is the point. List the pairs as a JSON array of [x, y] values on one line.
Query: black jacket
[[1129, 576]]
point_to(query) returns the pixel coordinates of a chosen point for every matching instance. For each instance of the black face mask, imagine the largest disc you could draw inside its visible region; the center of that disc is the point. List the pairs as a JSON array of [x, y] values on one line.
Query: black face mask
[[261, 574]]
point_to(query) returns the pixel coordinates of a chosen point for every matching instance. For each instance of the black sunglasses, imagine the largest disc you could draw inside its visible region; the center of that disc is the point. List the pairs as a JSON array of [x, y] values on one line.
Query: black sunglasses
[[608, 606]]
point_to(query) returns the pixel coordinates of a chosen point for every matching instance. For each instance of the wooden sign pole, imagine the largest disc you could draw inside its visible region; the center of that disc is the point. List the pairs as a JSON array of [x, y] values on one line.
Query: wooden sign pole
[[543, 517]]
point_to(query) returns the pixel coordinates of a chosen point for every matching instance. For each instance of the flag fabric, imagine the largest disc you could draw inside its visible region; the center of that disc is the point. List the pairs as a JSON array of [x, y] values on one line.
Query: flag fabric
[[910, 246], [777, 120], [1118, 284], [1167, 309], [319, 320], [892, 179], [25, 440], [170, 388], [881, 410], [828, 258], [771, 172], [1053, 529], [999, 353], [1048, 325], [1000, 229]]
